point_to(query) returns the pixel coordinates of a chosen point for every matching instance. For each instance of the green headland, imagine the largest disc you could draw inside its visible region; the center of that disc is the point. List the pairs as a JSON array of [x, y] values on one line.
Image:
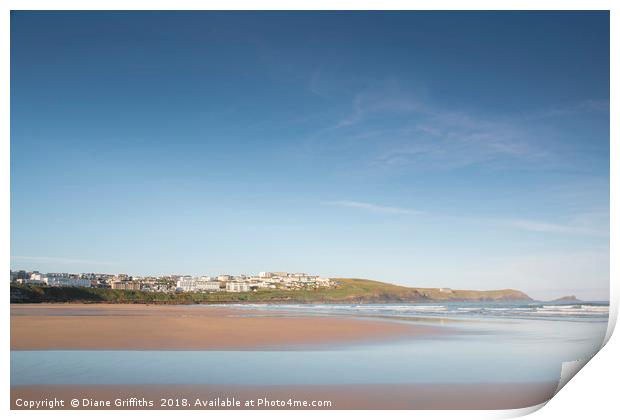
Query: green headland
[[346, 290]]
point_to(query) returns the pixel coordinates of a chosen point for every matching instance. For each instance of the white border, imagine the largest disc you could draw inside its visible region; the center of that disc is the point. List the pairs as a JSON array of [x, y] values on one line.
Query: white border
[[594, 398]]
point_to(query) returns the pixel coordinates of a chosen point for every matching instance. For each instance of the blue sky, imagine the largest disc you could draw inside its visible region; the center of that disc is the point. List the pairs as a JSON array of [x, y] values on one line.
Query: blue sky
[[465, 150]]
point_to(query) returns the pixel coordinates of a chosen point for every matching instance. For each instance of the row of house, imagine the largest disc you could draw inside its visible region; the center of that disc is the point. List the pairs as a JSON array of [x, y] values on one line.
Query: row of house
[[207, 284], [56, 281], [211, 284], [245, 283]]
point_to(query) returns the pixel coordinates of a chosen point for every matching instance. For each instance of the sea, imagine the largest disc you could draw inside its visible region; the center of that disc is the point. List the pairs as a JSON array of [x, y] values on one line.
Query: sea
[[595, 311]]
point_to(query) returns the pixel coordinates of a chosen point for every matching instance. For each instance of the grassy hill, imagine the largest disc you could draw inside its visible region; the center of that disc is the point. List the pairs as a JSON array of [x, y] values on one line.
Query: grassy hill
[[347, 291]]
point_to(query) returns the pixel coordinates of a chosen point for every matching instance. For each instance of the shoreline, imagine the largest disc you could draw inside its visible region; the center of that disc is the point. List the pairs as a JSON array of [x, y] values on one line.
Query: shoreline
[[168, 327]]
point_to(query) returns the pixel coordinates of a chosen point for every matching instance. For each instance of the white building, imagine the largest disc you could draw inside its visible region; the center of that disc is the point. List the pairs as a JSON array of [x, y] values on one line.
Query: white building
[[235, 286], [323, 281], [198, 285], [66, 281], [38, 281], [224, 277]]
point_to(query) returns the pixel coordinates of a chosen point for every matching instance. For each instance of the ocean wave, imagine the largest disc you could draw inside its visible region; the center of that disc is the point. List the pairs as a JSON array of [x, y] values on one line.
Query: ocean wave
[[534, 310]]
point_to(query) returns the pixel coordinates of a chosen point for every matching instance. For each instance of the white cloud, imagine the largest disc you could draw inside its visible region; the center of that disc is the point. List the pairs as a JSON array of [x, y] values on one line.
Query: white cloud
[[379, 99], [403, 130], [587, 106], [587, 224], [536, 226], [375, 208]]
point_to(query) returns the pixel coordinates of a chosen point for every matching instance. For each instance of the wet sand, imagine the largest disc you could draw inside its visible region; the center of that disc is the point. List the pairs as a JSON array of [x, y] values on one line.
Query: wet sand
[[160, 327], [145, 327], [342, 397]]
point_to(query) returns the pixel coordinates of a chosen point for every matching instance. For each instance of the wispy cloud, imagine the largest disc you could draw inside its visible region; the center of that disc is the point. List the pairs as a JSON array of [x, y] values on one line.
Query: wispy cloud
[[374, 208], [393, 128], [567, 229], [536, 226], [445, 140], [587, 106], [372, 101]]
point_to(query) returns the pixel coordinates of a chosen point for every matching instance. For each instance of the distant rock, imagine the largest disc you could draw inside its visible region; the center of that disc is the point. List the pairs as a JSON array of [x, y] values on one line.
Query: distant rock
[[570, 299]]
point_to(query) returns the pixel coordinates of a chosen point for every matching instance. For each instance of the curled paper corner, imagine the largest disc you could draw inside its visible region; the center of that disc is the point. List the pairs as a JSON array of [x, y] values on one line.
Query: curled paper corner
[[521, 412], [569, 370]]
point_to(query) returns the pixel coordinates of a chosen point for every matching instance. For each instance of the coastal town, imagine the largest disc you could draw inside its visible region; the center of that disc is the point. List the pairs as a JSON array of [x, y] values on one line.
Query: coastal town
[[176, 283]]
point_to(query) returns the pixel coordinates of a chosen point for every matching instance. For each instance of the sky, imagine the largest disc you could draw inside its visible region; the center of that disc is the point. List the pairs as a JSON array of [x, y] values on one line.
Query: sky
[[438, 149]]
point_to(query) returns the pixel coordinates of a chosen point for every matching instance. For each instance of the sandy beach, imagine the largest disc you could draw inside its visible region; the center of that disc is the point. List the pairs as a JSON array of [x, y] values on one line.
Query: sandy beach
[[142, 327], [342, 397]]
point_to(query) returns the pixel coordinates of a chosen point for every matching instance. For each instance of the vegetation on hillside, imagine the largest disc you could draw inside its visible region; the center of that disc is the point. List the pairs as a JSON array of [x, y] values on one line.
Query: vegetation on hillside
[[346, 291]]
